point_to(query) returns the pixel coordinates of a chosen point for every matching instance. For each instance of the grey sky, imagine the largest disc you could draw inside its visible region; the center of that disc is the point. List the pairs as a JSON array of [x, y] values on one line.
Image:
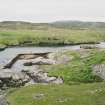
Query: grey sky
[[52, 10]]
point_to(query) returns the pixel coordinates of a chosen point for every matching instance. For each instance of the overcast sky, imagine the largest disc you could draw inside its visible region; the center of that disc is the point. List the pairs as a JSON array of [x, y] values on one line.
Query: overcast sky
[[52, 10]]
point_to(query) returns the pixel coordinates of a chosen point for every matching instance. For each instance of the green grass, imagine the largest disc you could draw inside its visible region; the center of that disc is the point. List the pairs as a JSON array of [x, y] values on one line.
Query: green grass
[[79, 69], [80, 86], [50, 36], [84, 94]]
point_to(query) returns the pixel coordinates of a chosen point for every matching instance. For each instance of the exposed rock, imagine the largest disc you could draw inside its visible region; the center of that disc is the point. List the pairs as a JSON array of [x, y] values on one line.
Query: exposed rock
[[58, 81], [87, 46], [29, 71], [60, 57], [99, 70], [40, 95], [10, 78], [28, 64], [64, 59], [51, 55], [27, 56], [5, 75], [20, 76], [14, 58], [33, 55], [11, 62], [31, 82], [40, 61], [33, 69], [3, 100], [41, 77]]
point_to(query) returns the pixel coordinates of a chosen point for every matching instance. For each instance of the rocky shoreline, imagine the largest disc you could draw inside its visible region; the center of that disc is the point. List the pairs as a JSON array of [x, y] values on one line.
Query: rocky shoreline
[[26, 44], [3, 100], [30, 73]]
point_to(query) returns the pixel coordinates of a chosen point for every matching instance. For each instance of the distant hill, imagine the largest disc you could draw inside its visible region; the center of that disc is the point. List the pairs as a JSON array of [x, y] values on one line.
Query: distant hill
[[57, 24], [78, 24], [22, 25]]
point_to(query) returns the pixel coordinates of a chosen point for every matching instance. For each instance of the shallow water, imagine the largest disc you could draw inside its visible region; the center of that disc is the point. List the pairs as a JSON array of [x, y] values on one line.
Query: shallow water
[[10, 53]]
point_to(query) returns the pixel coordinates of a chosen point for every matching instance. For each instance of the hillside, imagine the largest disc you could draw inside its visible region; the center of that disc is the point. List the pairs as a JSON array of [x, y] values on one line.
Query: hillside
[[57, 24], [79, 24]]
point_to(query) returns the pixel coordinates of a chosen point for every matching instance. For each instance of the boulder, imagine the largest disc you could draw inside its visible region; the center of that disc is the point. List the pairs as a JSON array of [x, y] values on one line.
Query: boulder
[[40, 61], [10, 78], [60, 57], [41, 77], [64, 59], [5, 75], [58, 81], [20, 76], [3, 100], [99, 70], [27, 56]]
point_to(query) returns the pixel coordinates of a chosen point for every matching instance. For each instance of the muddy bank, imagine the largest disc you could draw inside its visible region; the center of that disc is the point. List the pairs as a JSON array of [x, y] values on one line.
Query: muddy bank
[[46, 44]]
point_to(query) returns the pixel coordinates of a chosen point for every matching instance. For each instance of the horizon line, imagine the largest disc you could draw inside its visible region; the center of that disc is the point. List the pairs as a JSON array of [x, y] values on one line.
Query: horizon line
[[28, 21]]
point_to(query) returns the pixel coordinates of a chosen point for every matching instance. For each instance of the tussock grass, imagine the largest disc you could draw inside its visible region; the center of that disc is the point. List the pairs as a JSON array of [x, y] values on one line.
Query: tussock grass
[[79, 69], [51, 36], [83, 94]]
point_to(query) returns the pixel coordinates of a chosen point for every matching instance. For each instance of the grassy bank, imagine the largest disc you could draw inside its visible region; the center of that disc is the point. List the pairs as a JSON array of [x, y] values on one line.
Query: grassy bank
[[79, 69], [84, 94], [81, 86], [50, 36]]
